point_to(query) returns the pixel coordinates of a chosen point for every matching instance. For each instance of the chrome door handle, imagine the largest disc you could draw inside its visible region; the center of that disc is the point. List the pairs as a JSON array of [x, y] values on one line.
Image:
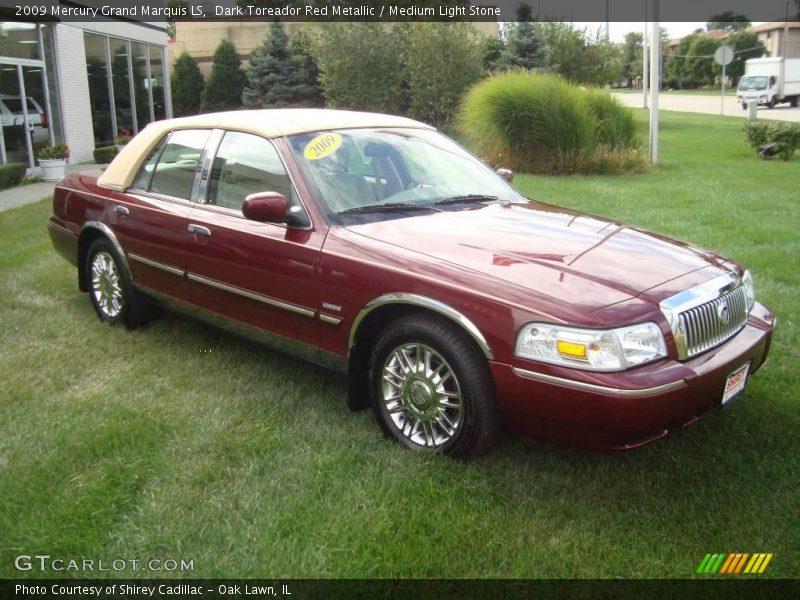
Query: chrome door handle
[[122, 211], [199, 230]]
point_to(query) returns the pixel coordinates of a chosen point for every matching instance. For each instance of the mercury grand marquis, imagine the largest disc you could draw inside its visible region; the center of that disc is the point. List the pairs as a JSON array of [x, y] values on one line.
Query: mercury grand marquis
[[375, 245]]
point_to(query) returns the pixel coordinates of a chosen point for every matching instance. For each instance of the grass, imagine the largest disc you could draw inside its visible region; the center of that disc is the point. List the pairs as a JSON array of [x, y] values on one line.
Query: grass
[[176, 441]]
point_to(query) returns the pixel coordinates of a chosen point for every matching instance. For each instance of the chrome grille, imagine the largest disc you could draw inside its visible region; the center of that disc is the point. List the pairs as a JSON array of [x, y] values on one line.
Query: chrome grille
[[705, 326]]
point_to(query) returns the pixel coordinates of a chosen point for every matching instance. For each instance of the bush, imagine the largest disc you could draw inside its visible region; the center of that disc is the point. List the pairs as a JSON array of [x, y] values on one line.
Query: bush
[[223, 90], [105, 154], [540, 123], [614, 126], [444, 59], [361, 65], [187, 84], [785, 136], [11, 174]]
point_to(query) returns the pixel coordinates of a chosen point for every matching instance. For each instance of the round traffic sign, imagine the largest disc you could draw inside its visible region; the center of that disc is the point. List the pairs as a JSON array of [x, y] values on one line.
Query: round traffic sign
[[723, 55]]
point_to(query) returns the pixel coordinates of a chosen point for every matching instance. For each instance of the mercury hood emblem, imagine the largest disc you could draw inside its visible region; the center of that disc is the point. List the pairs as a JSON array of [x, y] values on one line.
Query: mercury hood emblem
[[723, 314]]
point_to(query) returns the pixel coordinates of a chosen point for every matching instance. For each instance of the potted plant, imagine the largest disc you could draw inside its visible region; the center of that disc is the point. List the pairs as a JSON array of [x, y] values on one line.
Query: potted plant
[[123, 137], [53, 160]]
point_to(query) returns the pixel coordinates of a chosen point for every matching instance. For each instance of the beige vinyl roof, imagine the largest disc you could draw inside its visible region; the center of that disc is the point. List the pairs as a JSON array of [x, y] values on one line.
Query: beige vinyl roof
[[270, 123]]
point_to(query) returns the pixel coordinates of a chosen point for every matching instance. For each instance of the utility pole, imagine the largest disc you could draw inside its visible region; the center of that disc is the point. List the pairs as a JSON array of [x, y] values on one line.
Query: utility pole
[[786, 32], [655, 83], [645, 72]]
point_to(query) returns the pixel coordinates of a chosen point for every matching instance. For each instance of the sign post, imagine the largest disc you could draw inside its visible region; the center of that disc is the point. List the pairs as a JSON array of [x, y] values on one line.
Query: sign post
[[723, 56]]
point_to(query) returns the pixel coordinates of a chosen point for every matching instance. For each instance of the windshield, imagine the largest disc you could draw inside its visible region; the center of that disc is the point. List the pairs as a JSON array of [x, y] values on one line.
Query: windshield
[[753, 82], [405, 171]]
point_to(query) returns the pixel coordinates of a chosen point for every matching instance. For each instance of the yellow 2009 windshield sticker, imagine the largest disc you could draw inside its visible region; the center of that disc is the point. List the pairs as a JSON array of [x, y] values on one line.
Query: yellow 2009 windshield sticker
[[323, 145]]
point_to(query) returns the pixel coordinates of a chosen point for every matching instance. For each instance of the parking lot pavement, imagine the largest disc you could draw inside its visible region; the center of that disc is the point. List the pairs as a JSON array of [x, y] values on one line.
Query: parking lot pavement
[[710, 105]]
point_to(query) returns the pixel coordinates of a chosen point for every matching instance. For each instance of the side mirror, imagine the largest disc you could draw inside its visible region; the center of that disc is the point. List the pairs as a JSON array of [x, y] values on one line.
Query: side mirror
[[266, 207], [506, 174]]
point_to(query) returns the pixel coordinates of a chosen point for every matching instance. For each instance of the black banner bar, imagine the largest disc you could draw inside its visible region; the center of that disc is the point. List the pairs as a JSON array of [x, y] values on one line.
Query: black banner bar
[[419, 589], [393, 10]]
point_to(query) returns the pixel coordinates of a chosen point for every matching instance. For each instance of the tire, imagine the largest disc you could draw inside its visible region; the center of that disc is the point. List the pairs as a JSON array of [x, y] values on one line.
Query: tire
[[771, 103], [114, 299], [744, 106], [432, 389], [793, 102]]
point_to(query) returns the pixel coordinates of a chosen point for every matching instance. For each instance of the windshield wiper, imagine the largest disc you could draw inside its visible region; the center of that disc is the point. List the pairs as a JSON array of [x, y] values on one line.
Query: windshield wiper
[[466, 198], [388, 206]]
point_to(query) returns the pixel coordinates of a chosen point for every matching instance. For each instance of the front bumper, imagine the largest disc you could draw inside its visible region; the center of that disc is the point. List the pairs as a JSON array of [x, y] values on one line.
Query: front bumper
[[625, 410], [760, 100]]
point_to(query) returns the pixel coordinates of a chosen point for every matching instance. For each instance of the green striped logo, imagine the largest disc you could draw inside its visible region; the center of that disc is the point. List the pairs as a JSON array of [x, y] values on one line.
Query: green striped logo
[[734, 563]]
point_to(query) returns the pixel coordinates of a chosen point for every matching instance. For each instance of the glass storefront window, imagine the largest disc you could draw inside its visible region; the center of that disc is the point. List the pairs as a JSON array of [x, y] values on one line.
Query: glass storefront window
[[157, 81], [140, 84], [19, 40], [97, 70], [121, 85], [52, 87]]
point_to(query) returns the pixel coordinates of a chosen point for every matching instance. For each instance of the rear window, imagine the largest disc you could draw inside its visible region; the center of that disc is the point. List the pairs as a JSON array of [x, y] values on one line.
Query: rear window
[[171, 169], [15, 106]]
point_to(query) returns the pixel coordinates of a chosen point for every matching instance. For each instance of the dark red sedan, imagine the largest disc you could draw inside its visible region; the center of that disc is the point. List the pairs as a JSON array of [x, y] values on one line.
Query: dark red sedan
[[375, 245]]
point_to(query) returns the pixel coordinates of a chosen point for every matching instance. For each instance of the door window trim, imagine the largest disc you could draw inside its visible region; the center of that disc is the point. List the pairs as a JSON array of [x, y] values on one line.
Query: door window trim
[[212, 148]]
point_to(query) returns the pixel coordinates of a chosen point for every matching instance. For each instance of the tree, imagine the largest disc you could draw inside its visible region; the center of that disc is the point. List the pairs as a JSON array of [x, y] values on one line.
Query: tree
[[187, 85], [745, 45], [443, 60], [361, 65], [526, 45], [700, 65], [676, 69], [223, 90], [309, 92], [272, 77], [632, 56], [580, 57], [728, 21], [492, 53]]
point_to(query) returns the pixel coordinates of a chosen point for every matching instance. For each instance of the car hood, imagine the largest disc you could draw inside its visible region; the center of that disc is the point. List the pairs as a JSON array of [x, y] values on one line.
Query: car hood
[[569, 256]]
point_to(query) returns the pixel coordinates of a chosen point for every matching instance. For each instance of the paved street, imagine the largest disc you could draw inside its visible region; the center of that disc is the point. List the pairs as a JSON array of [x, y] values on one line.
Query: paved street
[[710, 105]]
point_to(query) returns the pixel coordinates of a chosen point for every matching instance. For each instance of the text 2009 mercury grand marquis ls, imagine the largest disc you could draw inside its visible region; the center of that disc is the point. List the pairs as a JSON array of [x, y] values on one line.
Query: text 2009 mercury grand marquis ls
[[373, 244]]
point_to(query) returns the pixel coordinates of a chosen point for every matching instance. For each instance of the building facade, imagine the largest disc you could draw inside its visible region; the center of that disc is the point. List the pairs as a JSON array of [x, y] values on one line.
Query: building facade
[[84, 84], [775, 39]]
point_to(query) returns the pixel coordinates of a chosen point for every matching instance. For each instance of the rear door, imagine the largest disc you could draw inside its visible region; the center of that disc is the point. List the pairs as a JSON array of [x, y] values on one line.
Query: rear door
[[150, 218]]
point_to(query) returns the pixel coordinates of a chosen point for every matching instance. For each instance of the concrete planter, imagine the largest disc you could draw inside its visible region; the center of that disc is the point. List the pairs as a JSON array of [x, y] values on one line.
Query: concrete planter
[[53, 169]]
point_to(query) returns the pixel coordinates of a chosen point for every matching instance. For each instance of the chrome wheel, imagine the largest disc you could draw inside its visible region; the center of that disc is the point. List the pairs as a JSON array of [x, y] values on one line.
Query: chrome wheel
[[106, 285], [422, 395]]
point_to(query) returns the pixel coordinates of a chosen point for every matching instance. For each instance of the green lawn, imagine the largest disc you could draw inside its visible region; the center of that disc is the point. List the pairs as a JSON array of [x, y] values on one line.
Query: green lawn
[[177, 441]]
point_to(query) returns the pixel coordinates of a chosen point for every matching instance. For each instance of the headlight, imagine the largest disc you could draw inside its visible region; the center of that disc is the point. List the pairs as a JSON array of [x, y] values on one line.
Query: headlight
[[591, 349], [749, 290]]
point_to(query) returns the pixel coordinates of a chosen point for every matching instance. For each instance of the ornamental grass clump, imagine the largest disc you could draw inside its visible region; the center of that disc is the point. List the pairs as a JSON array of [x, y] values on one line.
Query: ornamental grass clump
[[541, 124]]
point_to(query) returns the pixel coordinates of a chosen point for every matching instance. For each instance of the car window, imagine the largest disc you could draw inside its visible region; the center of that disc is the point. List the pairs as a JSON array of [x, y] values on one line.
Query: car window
[[351, 171], [177, 164], [15, 106], [246, 164], [142, 179]]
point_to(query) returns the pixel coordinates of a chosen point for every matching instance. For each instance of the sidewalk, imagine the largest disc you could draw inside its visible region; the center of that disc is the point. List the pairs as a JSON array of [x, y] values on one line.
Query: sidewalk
[[28, 194]]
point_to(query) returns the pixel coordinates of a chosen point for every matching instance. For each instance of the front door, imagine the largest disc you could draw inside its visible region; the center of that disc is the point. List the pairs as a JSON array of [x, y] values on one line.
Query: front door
[[24, 113], [260, 273]]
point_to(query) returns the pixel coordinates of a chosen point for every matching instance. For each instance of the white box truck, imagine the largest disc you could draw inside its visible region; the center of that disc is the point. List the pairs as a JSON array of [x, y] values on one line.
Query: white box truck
[[770, 81]]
